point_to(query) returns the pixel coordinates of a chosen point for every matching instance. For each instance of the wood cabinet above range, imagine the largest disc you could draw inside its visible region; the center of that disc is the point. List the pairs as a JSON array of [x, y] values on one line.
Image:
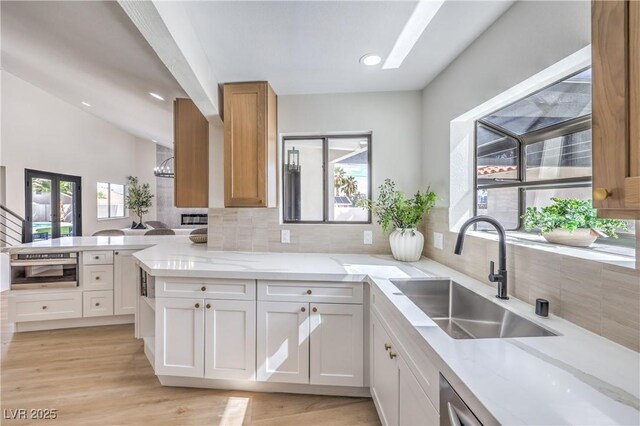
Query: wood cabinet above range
[[191, 151], [250, 145]]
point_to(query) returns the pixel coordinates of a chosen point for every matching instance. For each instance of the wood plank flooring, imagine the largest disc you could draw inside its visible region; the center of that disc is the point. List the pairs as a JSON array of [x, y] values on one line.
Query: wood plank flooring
[[99, 375]]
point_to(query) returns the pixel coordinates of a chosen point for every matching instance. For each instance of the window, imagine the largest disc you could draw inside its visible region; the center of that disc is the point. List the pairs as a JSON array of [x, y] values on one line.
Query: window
[[111, 201], [325, 177], [535, 149]]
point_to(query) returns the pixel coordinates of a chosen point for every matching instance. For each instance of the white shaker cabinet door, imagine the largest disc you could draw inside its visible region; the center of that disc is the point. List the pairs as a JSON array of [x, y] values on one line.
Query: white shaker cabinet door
[[283, 342], [230, 339], [415, 406], [179, 337], [336, 345], [384, 374], [124, 284]]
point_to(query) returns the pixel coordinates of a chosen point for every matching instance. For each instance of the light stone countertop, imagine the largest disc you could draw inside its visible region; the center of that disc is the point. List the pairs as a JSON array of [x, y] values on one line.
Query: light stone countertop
[[66, 244], [575, 378]]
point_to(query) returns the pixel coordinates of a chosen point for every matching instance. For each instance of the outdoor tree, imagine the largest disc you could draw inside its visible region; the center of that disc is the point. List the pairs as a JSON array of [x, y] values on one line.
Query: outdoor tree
[[350, 186], [139, 197], [339, 178]]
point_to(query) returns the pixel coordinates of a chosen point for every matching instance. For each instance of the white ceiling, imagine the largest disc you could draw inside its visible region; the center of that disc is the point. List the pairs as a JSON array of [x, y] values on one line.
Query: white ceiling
[[304, 47], [91, 51]]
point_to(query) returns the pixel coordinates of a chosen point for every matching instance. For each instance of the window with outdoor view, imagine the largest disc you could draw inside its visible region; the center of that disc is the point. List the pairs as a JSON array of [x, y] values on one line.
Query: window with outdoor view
[[536, 149], [111, 203], [325, 177]]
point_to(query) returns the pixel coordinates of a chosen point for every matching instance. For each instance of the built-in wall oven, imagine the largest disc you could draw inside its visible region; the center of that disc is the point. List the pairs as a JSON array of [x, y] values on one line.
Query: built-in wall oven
[[44, 270]]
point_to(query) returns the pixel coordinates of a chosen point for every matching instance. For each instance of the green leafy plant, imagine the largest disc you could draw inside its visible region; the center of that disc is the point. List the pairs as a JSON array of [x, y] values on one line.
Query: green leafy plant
[[139, 197], [394, 210], [570, 214]]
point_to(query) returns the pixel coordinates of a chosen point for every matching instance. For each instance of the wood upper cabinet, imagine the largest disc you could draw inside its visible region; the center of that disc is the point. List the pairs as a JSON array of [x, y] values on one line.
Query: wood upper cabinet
[[250, 145], [616, 108], [191, 150]]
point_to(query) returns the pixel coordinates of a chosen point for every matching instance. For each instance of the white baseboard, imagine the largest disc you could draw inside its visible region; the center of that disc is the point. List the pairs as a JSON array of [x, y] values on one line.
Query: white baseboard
[[246, 385], [73, 323]]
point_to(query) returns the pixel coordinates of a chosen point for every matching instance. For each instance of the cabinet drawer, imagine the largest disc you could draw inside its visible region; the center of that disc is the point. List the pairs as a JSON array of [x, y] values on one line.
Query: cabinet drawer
[[97, 303], [40, 307], [210, 289], [97, 277], [97, 257], [311, 291]]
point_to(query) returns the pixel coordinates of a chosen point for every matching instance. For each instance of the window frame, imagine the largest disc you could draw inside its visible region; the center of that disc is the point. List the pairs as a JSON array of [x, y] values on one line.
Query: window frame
[[125, 209], [325, 161], [565, 128]]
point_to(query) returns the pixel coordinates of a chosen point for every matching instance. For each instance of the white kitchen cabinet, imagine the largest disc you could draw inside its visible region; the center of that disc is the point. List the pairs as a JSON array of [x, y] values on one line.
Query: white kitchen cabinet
[[124, 284], [97, 303], [97, 277], [179, 342], [28, 306], [384, 374], [336, 344], [211, 288], [283, 342], [95, 257], [311, 291], [415, 408], [230, 339]]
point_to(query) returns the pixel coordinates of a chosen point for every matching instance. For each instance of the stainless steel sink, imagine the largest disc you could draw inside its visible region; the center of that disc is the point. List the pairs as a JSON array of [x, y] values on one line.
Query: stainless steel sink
[[463, 314]]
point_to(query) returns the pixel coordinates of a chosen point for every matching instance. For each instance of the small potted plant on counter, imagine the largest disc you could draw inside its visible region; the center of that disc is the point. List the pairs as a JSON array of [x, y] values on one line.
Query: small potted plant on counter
[[139, 200], [395, 211], [571, 222]]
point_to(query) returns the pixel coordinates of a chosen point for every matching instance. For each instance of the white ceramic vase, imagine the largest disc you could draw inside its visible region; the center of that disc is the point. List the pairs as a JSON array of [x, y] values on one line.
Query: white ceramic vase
[[582, 237], [406, 244]]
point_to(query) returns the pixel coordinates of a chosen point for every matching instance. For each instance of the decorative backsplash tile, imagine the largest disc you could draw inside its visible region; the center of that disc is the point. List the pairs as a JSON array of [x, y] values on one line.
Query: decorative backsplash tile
[[248, 229]]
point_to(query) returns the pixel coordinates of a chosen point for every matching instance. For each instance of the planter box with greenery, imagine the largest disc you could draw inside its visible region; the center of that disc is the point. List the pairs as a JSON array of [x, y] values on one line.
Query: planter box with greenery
[[571, 222], [395, 211]]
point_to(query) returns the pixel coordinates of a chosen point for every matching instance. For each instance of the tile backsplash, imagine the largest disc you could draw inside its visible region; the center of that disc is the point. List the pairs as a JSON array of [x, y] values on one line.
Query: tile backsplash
[[247, 229], [602, 298]]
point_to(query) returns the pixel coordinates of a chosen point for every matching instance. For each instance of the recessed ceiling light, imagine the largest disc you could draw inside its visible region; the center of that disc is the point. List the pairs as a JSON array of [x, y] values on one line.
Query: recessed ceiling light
[[87, 104], [370, 59], [154, 141], [413, 29], [155, 95]]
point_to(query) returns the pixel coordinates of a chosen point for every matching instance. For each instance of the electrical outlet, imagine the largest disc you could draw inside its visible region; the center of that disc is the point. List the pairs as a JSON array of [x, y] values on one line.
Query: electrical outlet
[[368, 237], [285, 237], [438, 240]]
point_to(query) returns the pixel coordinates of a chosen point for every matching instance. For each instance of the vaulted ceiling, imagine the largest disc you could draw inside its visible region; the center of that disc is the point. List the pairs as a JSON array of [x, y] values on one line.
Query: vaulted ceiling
[[91, 52]]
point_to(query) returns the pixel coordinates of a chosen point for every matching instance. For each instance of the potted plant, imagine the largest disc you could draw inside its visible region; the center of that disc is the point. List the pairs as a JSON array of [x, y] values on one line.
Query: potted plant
[[139, 199], [395, 211], [571, 222]]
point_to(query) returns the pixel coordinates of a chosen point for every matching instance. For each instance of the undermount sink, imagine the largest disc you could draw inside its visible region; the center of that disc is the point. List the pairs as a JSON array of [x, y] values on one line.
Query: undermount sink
[[463, 314]]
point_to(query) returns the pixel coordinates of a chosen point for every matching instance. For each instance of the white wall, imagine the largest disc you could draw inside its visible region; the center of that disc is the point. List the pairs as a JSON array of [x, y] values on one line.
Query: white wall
[[394, 118], [528, 38], [41, 132]]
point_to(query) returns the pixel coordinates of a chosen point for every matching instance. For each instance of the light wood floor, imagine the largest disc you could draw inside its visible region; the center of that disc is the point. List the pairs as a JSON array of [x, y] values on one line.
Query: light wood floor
[[99, 375]]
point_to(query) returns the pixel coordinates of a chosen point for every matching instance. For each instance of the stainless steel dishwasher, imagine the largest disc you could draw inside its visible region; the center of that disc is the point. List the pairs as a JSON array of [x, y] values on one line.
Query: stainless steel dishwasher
[[453, 410]]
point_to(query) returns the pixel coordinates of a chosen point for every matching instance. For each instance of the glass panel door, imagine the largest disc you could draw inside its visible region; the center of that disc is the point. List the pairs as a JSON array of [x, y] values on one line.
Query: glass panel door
[[52, 205], [68, 216], [41, 209]]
